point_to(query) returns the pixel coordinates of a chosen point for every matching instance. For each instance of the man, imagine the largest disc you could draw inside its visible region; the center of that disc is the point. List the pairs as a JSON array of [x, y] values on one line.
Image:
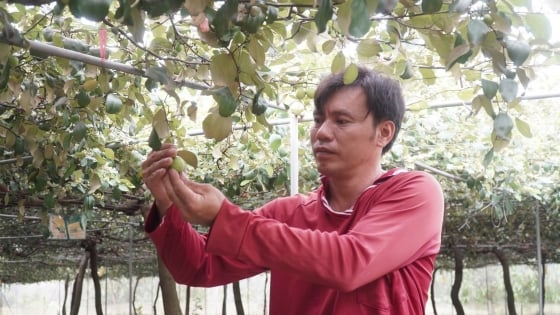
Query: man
[[364, 242]]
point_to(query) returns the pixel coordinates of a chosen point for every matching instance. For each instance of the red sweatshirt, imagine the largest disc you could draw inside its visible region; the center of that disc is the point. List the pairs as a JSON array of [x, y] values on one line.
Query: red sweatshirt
[[378, 259]]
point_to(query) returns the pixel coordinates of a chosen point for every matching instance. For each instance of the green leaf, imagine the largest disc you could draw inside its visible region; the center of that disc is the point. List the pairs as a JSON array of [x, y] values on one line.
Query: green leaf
[[490, 88], [523, 128], [457, 54], [324, 15], [503, 124], [518, 51], [488, 158], [476, 31], [158, 74], [328, 46], [508, 89], [539, 25], [161, 124], [113, 104], [217, 127], [350, 74], [154, 141], [275, 141], [431, 6], [223, 69], [481, 101], [188, 157], [360, 23], [368, 48], [257, 51], [339, 62]]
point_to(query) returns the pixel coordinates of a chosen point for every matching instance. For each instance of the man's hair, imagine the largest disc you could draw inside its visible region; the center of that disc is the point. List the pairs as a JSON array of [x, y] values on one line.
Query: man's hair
[[383, 96]]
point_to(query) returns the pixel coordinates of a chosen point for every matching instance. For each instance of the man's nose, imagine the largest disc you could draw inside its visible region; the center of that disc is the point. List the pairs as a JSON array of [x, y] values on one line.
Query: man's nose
[[324, 131]]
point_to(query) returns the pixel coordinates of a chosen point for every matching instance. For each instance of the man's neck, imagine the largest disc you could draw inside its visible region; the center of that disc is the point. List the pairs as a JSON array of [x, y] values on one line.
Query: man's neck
[[343, 192]]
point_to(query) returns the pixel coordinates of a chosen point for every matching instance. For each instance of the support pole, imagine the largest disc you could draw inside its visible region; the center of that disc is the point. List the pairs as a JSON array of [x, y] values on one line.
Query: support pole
[[539, 260], [294, 156], [130, 312]]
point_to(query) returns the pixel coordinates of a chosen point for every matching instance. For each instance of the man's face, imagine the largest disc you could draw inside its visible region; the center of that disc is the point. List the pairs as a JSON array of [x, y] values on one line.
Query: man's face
[[343, 137]]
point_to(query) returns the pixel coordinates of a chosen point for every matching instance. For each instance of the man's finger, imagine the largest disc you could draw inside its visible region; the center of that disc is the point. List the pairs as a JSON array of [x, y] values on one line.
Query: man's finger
[[182, 185]]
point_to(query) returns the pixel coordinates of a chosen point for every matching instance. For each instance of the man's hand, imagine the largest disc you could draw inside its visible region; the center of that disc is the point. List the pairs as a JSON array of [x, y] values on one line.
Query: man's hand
[[199, 203], [154, 173]]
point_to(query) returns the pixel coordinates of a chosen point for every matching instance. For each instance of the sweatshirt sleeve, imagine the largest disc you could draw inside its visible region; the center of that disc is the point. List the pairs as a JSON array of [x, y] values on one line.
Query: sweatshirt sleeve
[[402, 223], [183, 251]]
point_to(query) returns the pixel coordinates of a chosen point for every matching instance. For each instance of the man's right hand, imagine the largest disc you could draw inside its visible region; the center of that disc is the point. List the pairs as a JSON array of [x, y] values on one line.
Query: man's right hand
[[154, 173]]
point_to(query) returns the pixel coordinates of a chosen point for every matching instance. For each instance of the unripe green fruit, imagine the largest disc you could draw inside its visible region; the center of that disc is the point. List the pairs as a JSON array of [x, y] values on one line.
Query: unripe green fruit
[[179, 164], [255, 10]]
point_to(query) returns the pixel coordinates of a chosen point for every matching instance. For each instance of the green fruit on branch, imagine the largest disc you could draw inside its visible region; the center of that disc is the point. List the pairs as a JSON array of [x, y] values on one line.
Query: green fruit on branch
[[254, 20], [179, 164]]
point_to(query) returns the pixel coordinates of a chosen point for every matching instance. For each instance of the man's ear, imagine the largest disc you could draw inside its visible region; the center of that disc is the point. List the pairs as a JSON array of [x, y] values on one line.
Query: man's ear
[[385, 133]]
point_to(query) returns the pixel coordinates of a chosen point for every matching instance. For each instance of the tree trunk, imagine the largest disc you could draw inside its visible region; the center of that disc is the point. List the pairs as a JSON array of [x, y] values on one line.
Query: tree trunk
[[92, 249], [237, 298], [507, 281], [78, 284], [171, 304], [224, 301], [66, 282], [188, 301], [457, 282], [432, 291]]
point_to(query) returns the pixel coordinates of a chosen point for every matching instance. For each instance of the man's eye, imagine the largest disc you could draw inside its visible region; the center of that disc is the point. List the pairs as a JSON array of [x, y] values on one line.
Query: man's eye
[[341, 121]]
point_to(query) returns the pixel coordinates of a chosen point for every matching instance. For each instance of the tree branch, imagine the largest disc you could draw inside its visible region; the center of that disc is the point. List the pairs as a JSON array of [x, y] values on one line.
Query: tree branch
[[32, 2]]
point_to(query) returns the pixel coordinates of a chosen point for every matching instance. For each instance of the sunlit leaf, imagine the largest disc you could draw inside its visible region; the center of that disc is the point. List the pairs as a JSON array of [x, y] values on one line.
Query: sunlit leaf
[[350, 74], [523, 128], [161, 124], [94, 183], [217, 127], [338, 63], [481, 101], [188, 157], [508, 89], [223, 69], [257, 51], [369, 47]]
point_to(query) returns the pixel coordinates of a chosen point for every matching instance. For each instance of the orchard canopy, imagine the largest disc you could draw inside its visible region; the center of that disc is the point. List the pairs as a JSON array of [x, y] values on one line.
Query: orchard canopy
[[88, 87]]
